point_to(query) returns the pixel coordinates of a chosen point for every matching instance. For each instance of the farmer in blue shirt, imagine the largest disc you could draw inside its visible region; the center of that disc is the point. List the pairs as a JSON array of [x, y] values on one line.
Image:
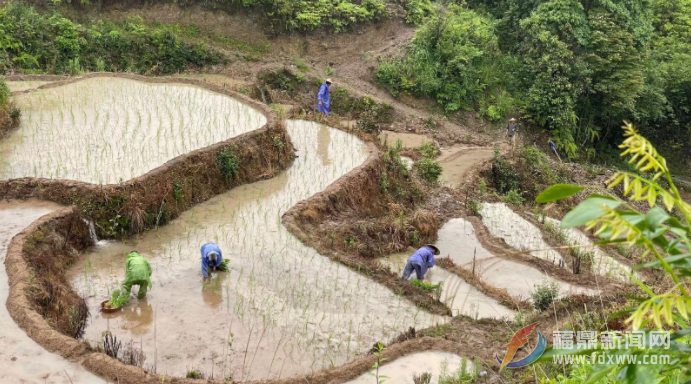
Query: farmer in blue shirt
[[421, 260], [324, 99], [211, 258]]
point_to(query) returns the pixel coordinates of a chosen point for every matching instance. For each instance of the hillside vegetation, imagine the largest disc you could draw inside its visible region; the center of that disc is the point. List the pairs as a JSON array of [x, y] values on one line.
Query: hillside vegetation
[[576, 68]]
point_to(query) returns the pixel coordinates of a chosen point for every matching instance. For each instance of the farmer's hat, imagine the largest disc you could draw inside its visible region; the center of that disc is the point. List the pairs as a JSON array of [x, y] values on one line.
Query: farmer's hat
[[328, 80], [434, 248], [512, 119], [213, 257]]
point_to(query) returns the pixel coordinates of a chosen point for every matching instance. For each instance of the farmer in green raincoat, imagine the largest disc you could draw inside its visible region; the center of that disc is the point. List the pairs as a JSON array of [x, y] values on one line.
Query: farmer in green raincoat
[[137, 272]]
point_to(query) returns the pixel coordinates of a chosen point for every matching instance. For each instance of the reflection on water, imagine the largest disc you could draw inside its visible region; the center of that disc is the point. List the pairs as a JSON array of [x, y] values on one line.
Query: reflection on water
[[323, 140], [282, 309], [106, 130]]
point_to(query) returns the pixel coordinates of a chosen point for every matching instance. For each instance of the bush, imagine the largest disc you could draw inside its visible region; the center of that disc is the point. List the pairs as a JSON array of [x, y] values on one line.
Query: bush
[[4, 93], [513, 197], [453, 58], [229, 163], [429, 170], [417, 11], [505, 177], [544, 295], [428, 150], [53, 43]]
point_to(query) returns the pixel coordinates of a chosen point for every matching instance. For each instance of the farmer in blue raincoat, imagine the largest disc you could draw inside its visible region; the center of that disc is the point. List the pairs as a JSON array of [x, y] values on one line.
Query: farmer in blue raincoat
[[420, 262], [212, 258], [324, 99]]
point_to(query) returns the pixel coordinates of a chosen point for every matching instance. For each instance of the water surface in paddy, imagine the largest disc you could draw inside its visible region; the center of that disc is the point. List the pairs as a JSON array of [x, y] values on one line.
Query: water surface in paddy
[[106, 129], [282, 310], [21, 358], [458, 241], [23, 85], [402, 370], [461, 297], [518, 232]]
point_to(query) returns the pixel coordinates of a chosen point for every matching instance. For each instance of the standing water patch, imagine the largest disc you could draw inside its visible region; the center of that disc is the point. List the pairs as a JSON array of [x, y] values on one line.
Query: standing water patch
[[517, 232], [458, 240], [106, 130]]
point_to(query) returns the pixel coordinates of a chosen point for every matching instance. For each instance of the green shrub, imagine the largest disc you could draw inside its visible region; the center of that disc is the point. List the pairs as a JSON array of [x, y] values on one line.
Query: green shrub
[[453, 58], [513, 197], [417, 11], [505, 177], [428, 150], [428, 169], [282, 80], [544, 295], [229, 163], [56, 44], [4, 93]]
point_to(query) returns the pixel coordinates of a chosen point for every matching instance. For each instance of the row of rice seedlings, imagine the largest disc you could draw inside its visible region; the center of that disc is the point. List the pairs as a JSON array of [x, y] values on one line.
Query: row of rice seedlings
[[108, 130]]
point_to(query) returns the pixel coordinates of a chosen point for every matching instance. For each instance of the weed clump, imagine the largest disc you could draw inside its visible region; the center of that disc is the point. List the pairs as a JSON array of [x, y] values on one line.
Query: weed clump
[[544, 295], [229, 163], [427, 168], [194, 374], [513, 197]]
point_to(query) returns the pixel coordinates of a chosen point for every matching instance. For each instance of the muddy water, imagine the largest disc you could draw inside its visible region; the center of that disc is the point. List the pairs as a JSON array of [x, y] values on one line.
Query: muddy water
[[409, 140], [602, 264], [22, 359], [458, 241], [461, 297], [518, 233], [282, 310], [106, 130], [402, 370], [456, 161], [16, 86]]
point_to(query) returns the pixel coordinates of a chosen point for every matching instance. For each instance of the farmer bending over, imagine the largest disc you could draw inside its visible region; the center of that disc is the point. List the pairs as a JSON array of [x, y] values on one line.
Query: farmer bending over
[[421, 260], [137, 272], [211, 258]]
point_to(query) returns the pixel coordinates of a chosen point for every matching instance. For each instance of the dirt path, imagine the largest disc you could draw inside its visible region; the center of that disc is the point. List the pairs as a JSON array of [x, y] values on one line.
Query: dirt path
[[21, 358]]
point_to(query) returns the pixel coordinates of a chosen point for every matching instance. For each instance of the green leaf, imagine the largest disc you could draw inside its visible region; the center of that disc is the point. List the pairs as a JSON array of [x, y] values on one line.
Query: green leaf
[[588, 210], [557, 192], [598, 373], [655, 217]]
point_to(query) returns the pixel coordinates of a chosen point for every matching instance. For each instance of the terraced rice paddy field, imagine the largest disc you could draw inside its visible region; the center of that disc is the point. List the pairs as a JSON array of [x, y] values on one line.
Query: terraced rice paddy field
[[283, 309]]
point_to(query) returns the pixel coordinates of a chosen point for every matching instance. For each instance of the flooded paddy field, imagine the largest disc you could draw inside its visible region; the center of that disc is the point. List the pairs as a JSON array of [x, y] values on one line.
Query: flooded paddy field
[[21, 358], [601, 263], [461, 297], [106, 130], [459, 242], [518, 233], [23, 85], [402, 370], [282, 310]]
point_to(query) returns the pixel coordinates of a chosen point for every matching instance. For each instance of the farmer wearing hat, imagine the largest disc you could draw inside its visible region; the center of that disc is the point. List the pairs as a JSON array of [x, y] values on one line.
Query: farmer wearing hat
[[211, 258], [421, 260], [324, 99], [511, 131]]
